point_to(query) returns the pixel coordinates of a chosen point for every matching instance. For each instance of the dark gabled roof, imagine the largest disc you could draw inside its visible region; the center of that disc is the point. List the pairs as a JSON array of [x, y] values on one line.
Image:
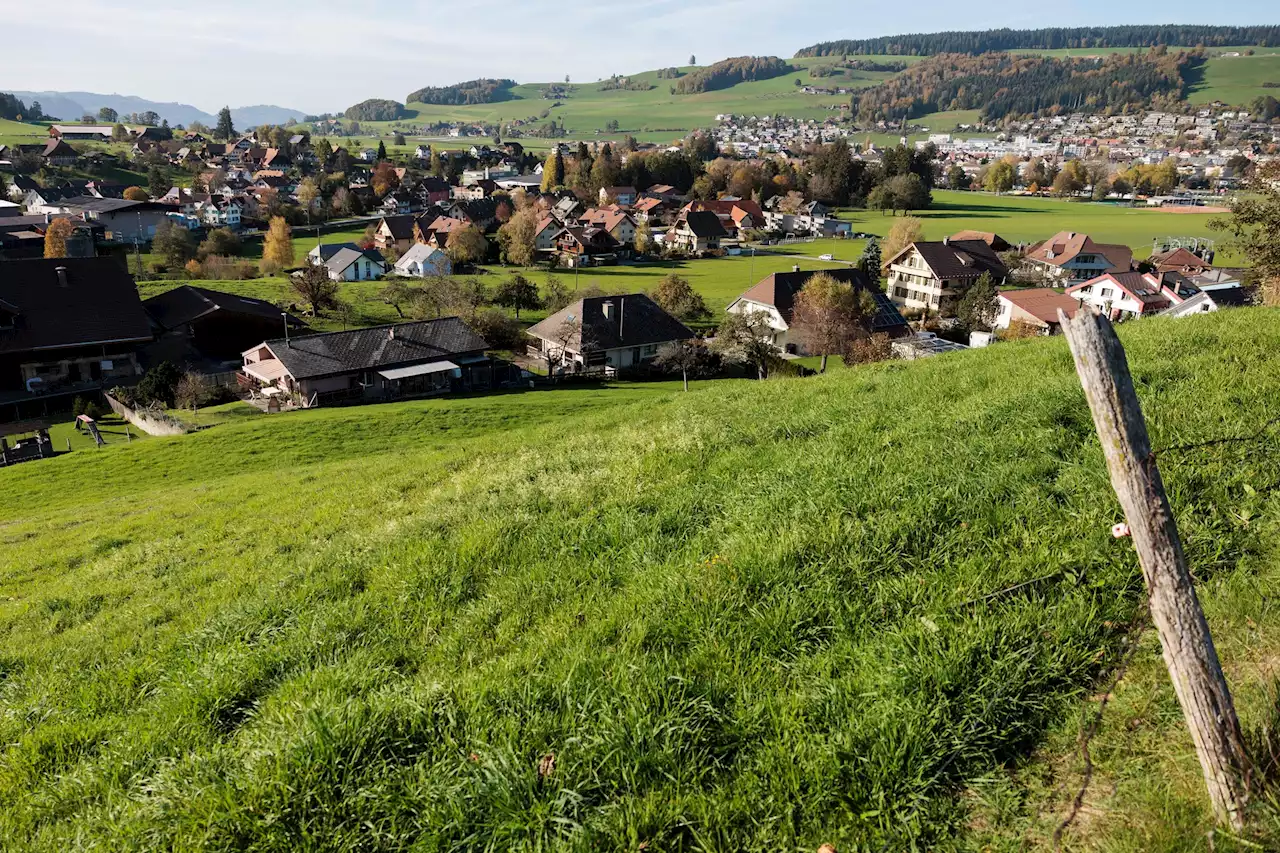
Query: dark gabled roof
[[328, 250], [780, 290], [99, 304], [184, 304], [704, 223], [961, 259], [476, 210], [401, 226], [104, 205], [1229, 297], [636, 321], [334, 353]]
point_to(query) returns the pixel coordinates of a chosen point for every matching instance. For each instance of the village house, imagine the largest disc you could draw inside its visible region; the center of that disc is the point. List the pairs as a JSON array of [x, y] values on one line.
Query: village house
[[213, 324], [421, 261], [348, 262], [1181, 260], [615, 222], [584, 246], [1124, 295], [389, 362], [775, 296], [544, 237], [625, 196], [1072, 257], [1035, 306], [696, 231], [66, 326], [395, 232], [652, 211], [88, 133], [123, 221], [436, 233], [607, 333], [933, 275]]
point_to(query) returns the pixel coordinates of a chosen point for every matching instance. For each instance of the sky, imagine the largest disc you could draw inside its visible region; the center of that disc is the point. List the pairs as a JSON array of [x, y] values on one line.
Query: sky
[[323, 56]]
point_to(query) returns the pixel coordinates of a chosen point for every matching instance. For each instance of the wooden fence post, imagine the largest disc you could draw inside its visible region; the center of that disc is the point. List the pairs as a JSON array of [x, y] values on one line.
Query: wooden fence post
[[1188, 647]]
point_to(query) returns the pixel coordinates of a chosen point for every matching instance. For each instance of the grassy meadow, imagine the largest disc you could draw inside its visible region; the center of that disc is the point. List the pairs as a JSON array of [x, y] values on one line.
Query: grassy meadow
[[749, 617]]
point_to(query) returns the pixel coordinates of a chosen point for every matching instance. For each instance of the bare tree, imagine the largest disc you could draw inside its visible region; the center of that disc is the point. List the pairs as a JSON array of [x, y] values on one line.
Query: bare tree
[[688, 358], [746, 339]]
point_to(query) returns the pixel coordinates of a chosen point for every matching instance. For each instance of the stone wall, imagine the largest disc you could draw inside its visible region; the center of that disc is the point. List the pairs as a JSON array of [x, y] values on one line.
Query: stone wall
[[152, 423]]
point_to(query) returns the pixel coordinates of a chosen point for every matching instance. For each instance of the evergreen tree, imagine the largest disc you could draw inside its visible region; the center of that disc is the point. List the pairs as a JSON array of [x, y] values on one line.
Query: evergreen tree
[[869, 261], [225, 129], [382, 150], [158, 182]]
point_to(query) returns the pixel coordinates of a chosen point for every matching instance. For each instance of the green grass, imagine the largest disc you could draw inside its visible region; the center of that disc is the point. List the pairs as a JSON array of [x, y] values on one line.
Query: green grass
[[1237, 79], [21, 132], [740, 618]]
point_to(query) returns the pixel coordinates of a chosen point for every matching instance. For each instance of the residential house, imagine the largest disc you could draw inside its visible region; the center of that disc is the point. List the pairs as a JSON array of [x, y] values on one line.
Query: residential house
[[214, 324], [383, 362], [696, 231], [395, 232], [348, 262], [1206, 301], [222, 213], [57, 152], [775, 296], [653, 212], [20, 186], [666, 192], [1072, 257], [585, 246], [607, 332], [614, 221], [482, 213], [432, 191], [66, 325], [1125, 295], [736, 215], [995, 241], [421, 261], [933, 275], [1034, 306], [437, 231], [544, 237], [618, 195], [811, 219], [1180, 260], [123, 221]]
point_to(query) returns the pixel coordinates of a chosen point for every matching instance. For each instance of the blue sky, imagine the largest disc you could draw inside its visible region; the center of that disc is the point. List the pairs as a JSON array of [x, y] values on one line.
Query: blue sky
[[324, 55]]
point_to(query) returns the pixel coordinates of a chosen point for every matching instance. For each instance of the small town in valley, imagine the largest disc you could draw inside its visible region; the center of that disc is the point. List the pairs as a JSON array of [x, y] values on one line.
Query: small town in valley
[[871, 449]]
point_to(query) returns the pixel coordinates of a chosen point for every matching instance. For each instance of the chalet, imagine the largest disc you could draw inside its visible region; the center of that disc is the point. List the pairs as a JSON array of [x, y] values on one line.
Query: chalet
[[482, 213], [395, 232], [383, 362], [1125, 295], [222, 212], [67, 325], [585, 246], [665, 192], [1181, 260], [1209, 300], [736, 215], [19, 186], [1034, 306], [432, 190], [348, 262], [932, 276], [696, 231], [214, 324], [276, 158], [57, 152], [652, 211], [775, 297], [437, 232], [607, 333], [1072, 257], [544, 237], [421, 261], [614, 221]]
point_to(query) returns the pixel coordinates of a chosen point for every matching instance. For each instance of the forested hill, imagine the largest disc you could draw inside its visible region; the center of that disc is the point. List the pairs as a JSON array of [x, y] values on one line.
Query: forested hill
[[483, 91], [1050, 38], [1002, 84]]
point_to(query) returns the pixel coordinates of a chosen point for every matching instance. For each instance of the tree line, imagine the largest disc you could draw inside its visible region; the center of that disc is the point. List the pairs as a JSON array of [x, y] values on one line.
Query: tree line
[[11, 108], [483, 91], [376, 109], [730, 72], [1002, 84], [1049, 38]]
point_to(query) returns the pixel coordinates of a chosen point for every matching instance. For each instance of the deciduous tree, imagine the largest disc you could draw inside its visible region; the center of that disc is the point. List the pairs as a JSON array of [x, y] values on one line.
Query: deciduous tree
[[977, 309], [466, 245], [902, 233], [1253, 225], [744, 339], [688, 358], [677, 297], [277, 248], [826, 315], [55, 237], [314, 286], [520, 237], [135, 194], [174, 244], [517, 293]]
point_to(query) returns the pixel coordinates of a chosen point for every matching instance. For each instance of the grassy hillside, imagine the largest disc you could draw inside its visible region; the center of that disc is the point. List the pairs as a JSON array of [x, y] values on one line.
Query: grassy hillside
[[744, 618], [1237, 79]]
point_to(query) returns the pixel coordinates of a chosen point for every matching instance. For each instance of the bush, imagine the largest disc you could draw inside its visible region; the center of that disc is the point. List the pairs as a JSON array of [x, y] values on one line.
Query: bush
[[499, 330], [159, 385]]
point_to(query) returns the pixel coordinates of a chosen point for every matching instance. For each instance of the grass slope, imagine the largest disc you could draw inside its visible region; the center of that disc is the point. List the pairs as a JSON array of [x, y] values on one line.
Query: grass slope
[[740, 618]]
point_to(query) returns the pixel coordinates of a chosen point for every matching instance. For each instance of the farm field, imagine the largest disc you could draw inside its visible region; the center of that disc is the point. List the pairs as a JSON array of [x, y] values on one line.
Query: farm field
[[1237, 79], [739, 618]]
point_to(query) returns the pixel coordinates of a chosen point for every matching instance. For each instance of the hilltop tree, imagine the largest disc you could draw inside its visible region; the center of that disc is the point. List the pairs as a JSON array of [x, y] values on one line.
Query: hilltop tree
[[744, 339], [277, 248], [688, 358], [903, 233], [977, 309], [553, 171], [225, 129], [1253, 225], [826, 315], [466, 245], [519, 237], [516, 293], [314, 286], [693, 60], [677, 297], [135, 194], [55, 237]]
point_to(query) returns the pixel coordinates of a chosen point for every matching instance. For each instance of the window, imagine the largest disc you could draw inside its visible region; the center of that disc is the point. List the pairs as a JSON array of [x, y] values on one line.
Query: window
[[1105, 293]]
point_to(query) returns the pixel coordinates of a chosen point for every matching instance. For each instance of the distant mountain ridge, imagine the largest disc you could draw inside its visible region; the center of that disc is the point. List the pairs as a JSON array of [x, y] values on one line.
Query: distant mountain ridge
[[70, 106]]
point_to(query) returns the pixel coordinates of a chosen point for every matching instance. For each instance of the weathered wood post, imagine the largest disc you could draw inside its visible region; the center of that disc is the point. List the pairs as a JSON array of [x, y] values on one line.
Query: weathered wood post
[[1188, 647]]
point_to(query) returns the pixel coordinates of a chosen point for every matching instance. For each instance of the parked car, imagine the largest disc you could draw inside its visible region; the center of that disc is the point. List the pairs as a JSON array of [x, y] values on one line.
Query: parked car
[[827, 257]]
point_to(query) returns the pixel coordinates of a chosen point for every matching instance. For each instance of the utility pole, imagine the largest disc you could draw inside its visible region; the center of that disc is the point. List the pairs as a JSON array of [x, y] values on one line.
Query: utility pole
[[1189, 653]]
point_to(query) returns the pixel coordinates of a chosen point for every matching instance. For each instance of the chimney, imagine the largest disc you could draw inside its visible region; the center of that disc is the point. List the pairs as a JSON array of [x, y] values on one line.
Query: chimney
[[62, 276], [391, 333]]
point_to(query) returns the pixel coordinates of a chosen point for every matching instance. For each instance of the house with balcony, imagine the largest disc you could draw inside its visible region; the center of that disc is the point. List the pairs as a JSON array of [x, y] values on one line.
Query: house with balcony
[[1070, 257], [932, 276], [1129, 295], [607, 333]]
